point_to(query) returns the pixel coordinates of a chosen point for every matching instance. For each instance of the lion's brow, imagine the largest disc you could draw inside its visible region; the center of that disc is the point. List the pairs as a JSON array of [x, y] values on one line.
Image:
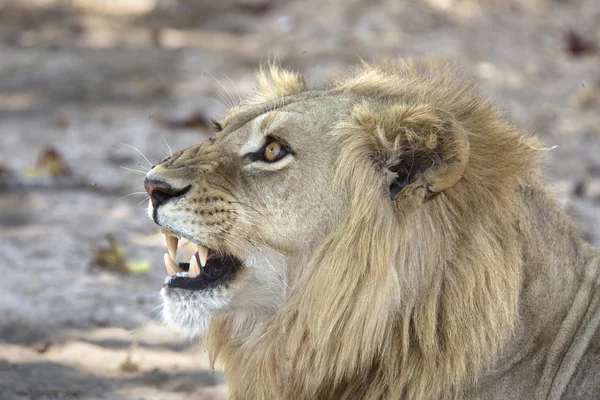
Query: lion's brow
[[269, 107]]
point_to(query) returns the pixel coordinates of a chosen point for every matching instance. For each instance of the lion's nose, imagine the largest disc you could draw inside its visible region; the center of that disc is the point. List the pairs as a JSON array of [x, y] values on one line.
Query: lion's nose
[[161, 192]]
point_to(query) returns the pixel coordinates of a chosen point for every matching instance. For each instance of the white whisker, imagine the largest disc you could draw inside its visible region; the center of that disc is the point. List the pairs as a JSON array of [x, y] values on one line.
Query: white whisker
[[142, 154], [137, 171], [253, 221], [132, 194], [226, 91], [276, 274], [218, 103], [169, 147], [233, 84]]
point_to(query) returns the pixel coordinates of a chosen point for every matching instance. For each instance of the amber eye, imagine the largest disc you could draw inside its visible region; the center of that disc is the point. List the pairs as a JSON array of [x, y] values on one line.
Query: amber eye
[[274, 151]]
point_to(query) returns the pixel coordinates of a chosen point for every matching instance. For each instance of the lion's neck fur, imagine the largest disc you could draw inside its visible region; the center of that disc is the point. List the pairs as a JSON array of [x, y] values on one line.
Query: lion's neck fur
[[421, 328]]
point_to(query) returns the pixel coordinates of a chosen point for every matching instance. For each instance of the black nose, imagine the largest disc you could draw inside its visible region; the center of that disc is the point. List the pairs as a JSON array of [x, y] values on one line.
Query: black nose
[[161, 192]]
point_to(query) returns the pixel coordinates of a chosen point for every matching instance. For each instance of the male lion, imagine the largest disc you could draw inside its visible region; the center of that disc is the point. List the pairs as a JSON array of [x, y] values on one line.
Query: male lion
[[385, 237]]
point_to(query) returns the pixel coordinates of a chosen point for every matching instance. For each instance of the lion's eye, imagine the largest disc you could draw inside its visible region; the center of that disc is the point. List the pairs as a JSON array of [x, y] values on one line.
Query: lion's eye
[[274, 151]]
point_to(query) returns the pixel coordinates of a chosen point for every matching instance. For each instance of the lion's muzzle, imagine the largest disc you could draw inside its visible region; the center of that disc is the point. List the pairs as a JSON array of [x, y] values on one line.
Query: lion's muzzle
[[161, 192]]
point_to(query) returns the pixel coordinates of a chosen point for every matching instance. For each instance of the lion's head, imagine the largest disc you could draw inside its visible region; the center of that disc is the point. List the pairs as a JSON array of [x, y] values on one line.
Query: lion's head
[[368, 222]]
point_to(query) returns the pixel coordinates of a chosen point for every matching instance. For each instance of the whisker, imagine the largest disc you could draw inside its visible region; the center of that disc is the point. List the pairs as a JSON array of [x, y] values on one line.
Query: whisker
[[225, 100], [241, 214], [137, 171], [230, 242], [131, 194], [147, 198], [275, 271], [266, 219], [157, 307], [169, 147], [233, 84], [243, 237], [142, 154], [250, 207], [224, 88], [218, 103], [247, 219]]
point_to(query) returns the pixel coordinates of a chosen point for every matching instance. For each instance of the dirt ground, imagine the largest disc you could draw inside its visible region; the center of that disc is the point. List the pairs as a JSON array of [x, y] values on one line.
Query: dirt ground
[[84, 77]]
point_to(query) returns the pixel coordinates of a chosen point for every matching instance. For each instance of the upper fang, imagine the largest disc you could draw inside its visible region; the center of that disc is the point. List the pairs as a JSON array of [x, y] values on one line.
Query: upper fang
[[172, 242]]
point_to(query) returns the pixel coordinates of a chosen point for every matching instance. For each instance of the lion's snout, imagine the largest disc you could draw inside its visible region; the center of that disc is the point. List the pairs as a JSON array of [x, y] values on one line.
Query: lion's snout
[[161, 192]]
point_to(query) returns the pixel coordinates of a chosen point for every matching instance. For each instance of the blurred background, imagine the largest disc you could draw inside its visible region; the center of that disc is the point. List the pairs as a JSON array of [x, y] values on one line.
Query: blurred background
[[87, 86]]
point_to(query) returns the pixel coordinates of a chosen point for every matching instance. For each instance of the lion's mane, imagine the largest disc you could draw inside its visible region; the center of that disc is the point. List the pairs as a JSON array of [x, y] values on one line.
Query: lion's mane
[[413, 299]]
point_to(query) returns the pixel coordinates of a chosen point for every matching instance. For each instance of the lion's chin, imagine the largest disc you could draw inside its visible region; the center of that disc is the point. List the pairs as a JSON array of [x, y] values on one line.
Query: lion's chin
[[192, 310]]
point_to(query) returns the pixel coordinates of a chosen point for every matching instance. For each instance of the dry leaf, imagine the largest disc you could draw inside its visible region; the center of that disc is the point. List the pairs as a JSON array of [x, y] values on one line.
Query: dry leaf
[[577, 45], [50, 164], [111, 258], [197, 120], [138, 267], [5, 171]]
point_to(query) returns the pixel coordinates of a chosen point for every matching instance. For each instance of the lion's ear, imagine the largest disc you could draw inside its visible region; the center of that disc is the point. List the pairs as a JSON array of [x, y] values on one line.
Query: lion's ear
[[274, 82], [421, 149]]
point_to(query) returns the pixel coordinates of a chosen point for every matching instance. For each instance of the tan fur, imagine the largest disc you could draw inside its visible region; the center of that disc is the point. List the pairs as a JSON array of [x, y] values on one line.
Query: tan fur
[[433, 293], [274, 83]]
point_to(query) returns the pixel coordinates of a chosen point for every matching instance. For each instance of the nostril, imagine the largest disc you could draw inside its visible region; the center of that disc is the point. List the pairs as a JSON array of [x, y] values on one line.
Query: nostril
[[161, 192]]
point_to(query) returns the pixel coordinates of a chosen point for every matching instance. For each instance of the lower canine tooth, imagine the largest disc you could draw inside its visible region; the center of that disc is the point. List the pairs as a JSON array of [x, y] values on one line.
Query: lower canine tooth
[[172, 267], [194, 267], [202, 254]]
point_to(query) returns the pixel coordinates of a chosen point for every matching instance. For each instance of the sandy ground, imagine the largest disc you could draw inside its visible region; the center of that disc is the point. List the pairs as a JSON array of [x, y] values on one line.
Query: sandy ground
[[84, 77]]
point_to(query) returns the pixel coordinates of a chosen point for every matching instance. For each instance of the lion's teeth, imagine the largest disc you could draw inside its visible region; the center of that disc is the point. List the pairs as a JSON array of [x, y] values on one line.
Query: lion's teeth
[[166, 232], [194, 270], [172, 242], [171, 265], [168, 265], [202, 254]]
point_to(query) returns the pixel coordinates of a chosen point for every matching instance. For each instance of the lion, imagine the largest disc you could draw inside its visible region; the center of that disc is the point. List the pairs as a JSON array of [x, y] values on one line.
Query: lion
[[386, 236]]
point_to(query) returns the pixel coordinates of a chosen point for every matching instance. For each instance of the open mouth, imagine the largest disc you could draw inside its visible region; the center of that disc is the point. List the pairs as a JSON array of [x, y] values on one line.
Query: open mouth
[[206, 268]]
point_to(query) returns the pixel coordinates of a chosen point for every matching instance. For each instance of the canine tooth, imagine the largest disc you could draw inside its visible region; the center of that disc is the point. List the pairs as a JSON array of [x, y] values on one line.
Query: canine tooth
[[202, 254], [194, 268], [172, 267], [172, 242]]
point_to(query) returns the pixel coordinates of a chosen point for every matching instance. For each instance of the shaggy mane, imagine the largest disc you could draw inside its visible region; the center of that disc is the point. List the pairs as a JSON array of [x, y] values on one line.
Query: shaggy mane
[[413, 299]]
